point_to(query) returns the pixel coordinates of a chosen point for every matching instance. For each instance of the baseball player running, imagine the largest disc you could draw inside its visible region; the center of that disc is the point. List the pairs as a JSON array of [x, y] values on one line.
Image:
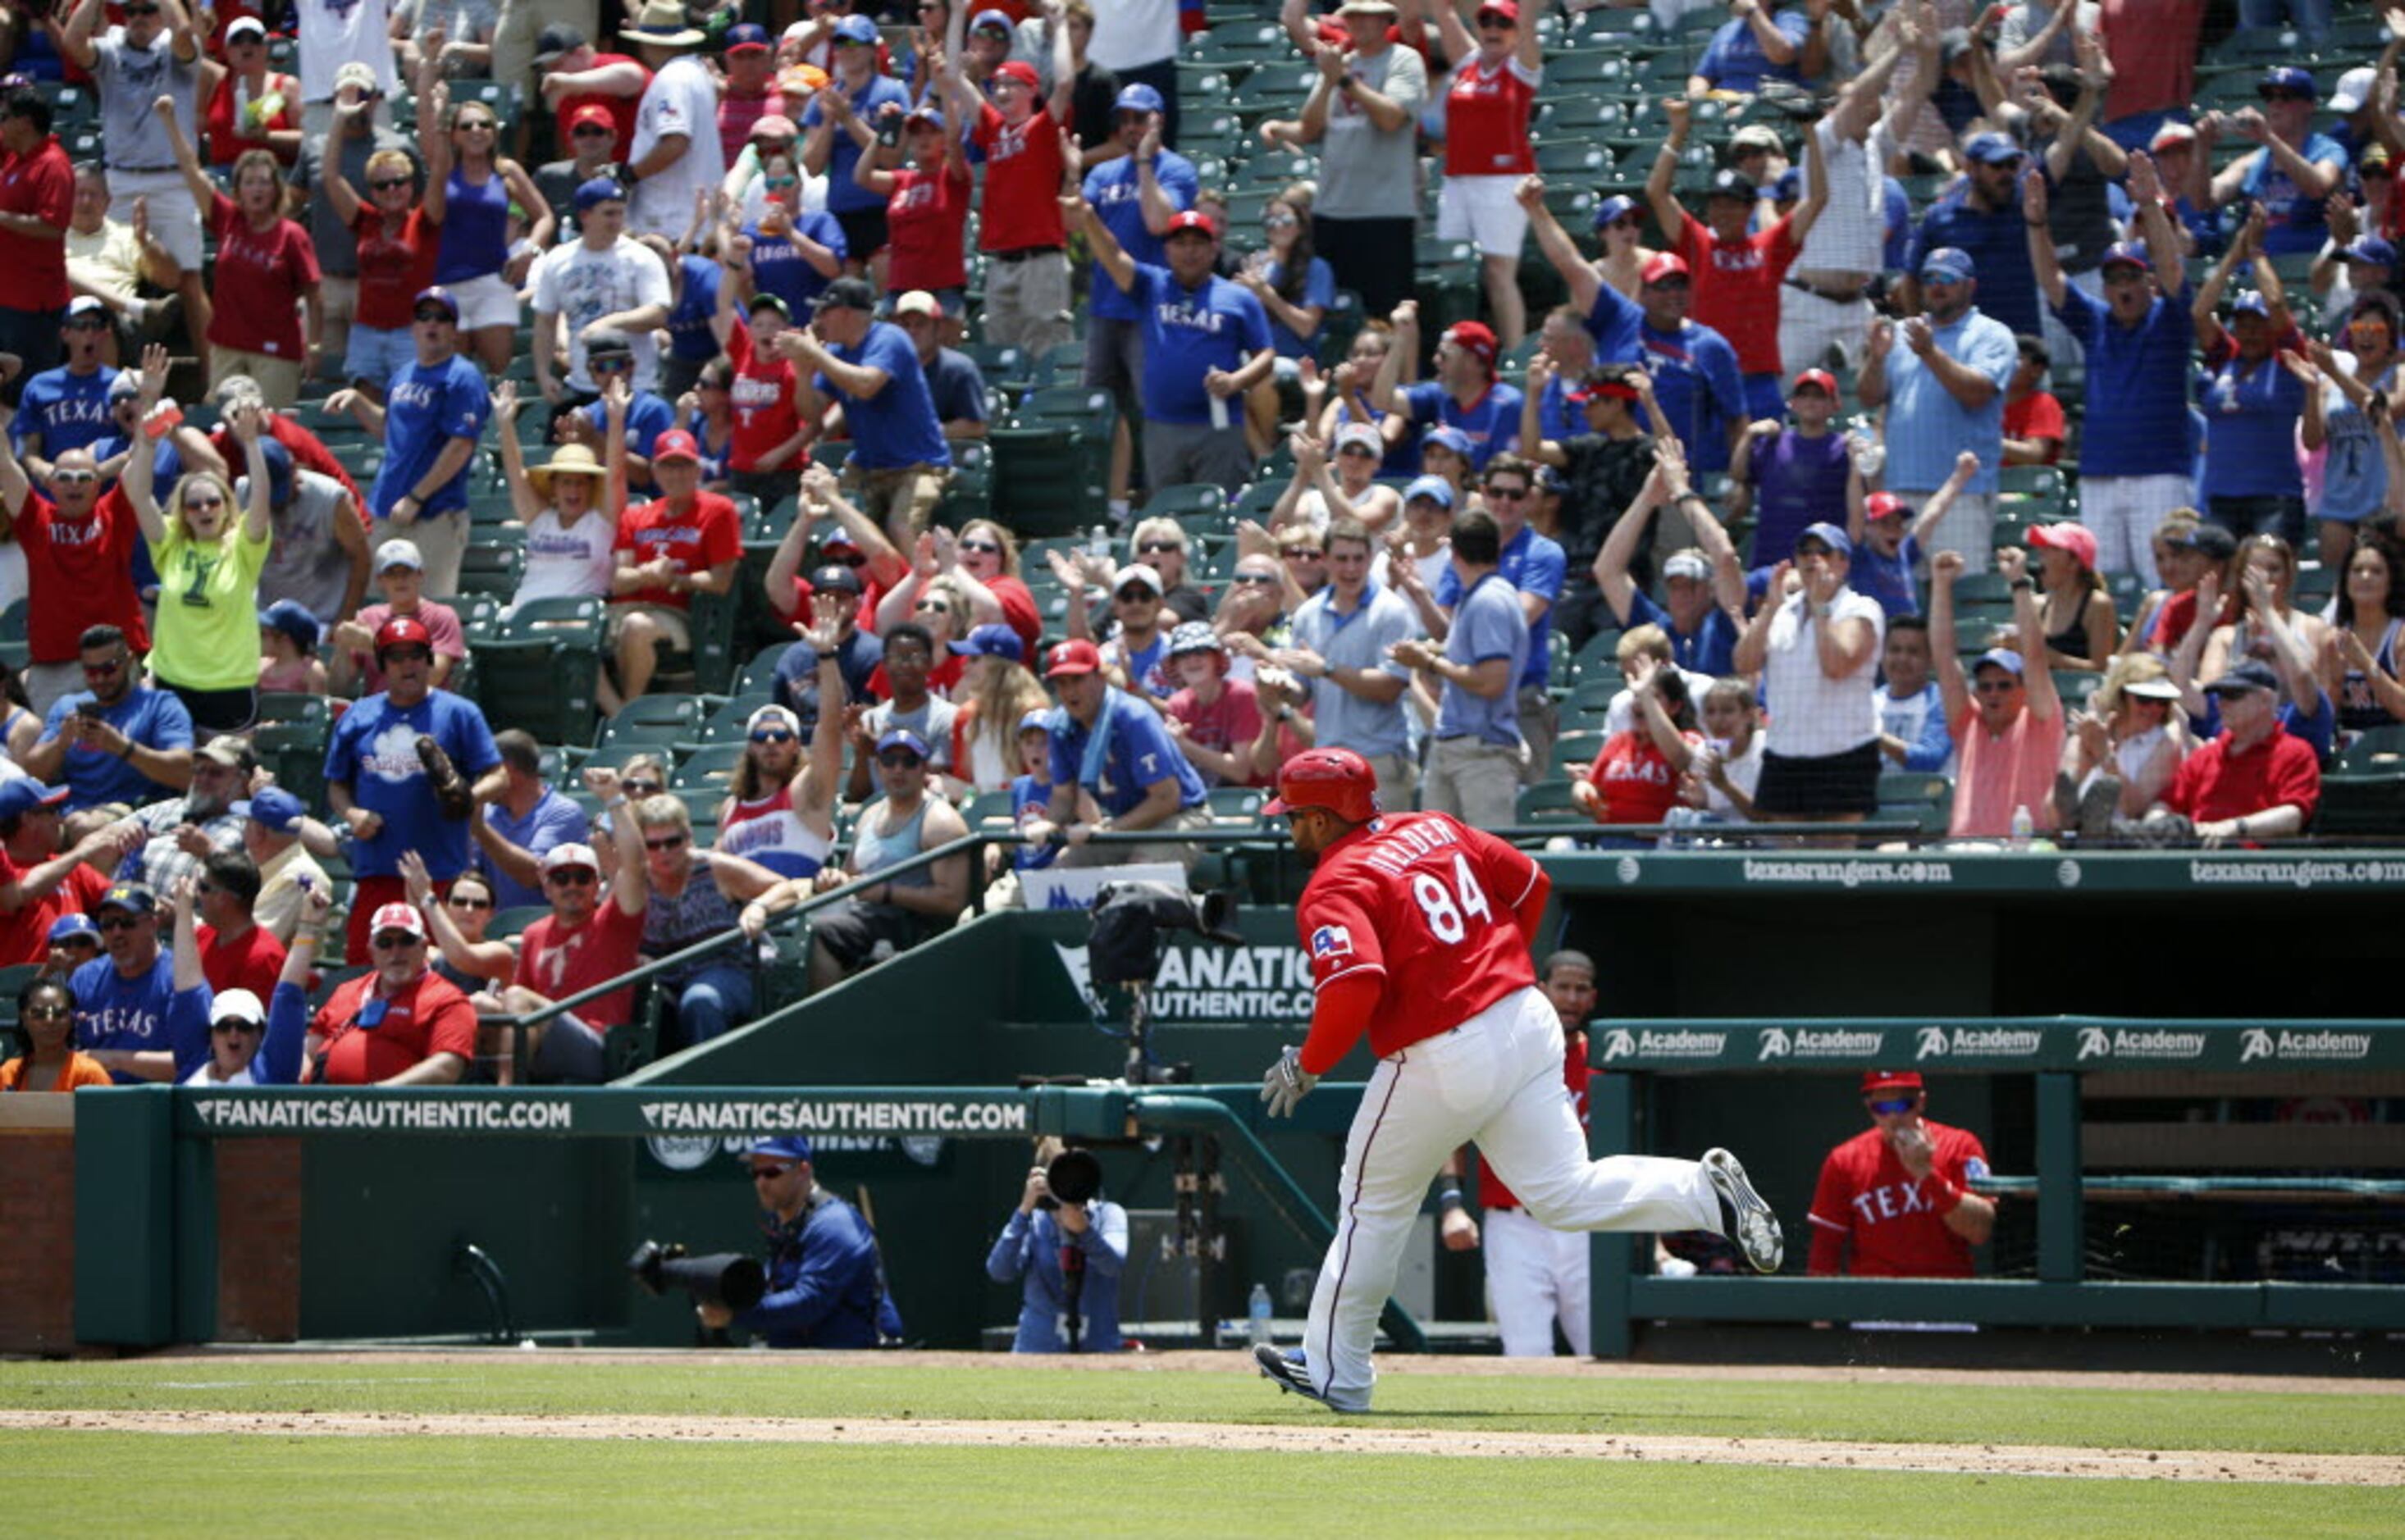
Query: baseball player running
[[1417, 928]]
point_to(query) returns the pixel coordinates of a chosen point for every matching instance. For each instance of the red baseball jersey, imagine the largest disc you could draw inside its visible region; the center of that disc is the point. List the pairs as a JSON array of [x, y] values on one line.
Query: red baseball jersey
[[1429, 903], [1486, 117], [1736, 287], [1577, 1069], [1867, 1198]]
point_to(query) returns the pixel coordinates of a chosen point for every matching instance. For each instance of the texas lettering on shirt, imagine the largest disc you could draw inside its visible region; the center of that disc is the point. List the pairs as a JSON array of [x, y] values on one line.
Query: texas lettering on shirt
[[424, 393]]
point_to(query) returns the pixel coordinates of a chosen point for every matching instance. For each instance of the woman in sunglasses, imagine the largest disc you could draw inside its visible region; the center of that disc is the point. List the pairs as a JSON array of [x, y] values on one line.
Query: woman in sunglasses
[[45, 1014], [465, 956], [266, 271], [245, 105], [698, 896], [1618, 224], [469, 186], [570, 526], [987, 571], [939, 606], [396, 256], [779, 808], [207, 646]]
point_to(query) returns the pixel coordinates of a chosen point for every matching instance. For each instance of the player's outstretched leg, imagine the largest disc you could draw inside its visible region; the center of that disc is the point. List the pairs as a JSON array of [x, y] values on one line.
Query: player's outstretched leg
[[1745, 1218]]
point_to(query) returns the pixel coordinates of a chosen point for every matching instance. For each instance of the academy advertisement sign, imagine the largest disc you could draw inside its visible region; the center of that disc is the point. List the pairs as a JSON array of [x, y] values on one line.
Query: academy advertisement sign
[[1995, 1047]]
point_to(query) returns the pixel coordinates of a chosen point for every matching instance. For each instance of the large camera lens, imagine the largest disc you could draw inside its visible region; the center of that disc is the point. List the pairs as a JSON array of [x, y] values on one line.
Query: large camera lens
[[1074, 1176]]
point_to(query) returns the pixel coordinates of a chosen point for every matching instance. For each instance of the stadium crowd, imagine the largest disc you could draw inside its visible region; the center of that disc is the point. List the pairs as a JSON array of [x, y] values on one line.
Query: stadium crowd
[[1984, 414]]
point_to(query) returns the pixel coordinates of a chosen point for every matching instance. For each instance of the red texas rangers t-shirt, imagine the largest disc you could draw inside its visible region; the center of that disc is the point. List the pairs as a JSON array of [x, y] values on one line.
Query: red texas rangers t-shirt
[[1867, 1198], [1429, 903], [1022, 182], [695, 540]]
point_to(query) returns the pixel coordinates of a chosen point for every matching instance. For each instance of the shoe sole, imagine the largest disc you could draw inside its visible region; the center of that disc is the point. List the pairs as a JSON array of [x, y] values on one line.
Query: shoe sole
[[1758, 1235], [1275, 1366]]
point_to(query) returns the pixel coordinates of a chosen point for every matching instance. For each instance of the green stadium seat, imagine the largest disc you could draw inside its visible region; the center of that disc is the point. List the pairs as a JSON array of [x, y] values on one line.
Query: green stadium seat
[[539, 672]]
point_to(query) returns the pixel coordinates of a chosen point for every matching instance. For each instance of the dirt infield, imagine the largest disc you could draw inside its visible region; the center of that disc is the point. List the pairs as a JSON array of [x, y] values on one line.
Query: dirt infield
[[1953, 1459], [1194, 1361]]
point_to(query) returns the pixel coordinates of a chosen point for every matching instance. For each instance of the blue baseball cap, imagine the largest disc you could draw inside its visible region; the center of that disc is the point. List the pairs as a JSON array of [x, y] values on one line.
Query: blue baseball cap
[[2372, 249], [902, 737], [1137, 98], [68, 928], [1447, 437], [2251, 303], [856, 29], [134, 898], [745, 36], [1949, 265], [990, 20], [1828, 535], [1435, 488], [2001, 657], [293, 619], [787, 1147], [1788, 185], [598, 190], [274, 808], [991, 641], [2288, 77], [280, 468], [435, 294], [1612, 208], [1992, 149], [20, 794], [925, 113], [1037, 721]]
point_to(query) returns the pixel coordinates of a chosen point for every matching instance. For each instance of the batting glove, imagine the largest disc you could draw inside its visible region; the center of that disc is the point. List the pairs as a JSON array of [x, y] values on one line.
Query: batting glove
[[1287, 1082]]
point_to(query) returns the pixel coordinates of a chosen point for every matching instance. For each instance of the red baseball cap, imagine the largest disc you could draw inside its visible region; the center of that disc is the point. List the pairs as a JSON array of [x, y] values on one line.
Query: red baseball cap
[[1020, 71], [1190, 219], [402, 631], [1663, 264], [592, 112], [1072, 657], [1477, 336], [1508, 10], [2079, 541], [1826, 382], [1884, 505], [1890, 1080], [675, 445]]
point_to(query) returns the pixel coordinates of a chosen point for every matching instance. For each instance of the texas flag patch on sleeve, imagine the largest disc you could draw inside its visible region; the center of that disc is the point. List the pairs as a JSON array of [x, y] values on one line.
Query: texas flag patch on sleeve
[[1331, 941]]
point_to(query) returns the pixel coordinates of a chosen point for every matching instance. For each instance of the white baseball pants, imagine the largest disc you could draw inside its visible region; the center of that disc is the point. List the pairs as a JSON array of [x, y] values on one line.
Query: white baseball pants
[[1534, 1274], [1495, 1079]]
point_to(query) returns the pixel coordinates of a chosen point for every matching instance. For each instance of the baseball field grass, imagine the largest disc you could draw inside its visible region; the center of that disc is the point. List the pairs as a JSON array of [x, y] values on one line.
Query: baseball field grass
[[553, 1442]]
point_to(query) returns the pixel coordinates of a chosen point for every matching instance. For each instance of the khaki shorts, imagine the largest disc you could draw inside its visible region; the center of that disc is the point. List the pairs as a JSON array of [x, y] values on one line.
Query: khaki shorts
[[278, 377], [674, 626], [901, 499]]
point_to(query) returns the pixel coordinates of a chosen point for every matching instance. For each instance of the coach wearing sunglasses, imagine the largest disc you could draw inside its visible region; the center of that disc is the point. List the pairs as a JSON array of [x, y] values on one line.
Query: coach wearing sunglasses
[[1894, 1200]]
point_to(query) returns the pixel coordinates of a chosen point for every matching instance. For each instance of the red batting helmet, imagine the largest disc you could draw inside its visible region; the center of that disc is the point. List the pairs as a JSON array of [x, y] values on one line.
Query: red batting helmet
[[1337, 780]]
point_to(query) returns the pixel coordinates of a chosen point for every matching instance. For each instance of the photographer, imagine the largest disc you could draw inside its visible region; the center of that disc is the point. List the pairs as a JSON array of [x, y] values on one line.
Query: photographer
[[1048, 1237], [827, 1288]]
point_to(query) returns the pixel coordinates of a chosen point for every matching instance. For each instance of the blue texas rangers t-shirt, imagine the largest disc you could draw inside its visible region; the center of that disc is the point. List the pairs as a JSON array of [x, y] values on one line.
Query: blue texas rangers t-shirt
[[375, 752], [779, 266], [112, 1011], [69, 411], [898, 426], [1490, 422], [1187, 334], [1138, 753], [426, 407]]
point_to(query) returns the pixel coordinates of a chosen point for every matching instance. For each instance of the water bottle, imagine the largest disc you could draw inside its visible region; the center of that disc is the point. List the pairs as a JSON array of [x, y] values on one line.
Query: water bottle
[[1098, 543], [2023, 827], [1257, 1314]]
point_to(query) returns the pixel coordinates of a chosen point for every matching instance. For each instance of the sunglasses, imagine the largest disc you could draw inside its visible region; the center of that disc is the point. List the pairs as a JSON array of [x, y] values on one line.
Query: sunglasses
[[768, 1173], [1507, 494], [1133, 595], [1156, 547], [571, 876], [385, 184], [141, 10], [396, 941], [209, 500], [642, 787], [232, 1028], [774, 183], [1302, 553], [102, 671], [595, 130], [432, 317], [670, 842], [471, 125], [456, 902], [74, 478], [1279, 221], [931, 607], [772, 735], [1892, 1105], [899, 759], [2283, 94], [989, 547], [1256, 578], [610, 364]]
